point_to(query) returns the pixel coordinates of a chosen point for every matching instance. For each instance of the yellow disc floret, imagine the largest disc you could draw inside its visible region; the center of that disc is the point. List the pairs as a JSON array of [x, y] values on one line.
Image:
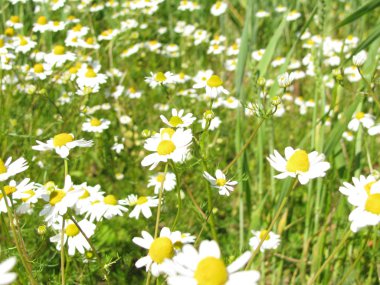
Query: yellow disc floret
[[62, 139], [3, 169], [160, 77], [56, 196], [110, 200], [38, 68], [72, 230], [372, 204], [161, 249], [299, 161], [214, 81], [95, 122], [211, 271], [165, 147], [42, 20], [264, 233], [59, 50]]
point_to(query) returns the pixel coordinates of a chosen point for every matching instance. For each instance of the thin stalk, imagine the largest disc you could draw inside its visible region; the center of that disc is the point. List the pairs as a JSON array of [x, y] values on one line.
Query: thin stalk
[[63, 282], [276, 217], [331, 256], [24, 259], [179, 200]]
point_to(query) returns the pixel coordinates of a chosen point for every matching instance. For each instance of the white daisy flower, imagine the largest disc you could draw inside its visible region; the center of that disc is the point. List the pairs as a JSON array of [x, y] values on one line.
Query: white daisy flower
[[168, 180], [14, 22], [214, 123], [107, 208], [361, 118], [95, 125], [272, 240], [159, 249], [359, 58], [133, 93], [73, 236], [160, 78], [220, 182], [213, 85], [59, 56], [41, 25], [258, 54], [285, 80], [168, 144], [59, 200], [298, 163], [62, 144], [178, 120], [349, 136], [218, 8], [90, 78], [23, 44], [365, 196], [7, 277], [40, 71], [293, 15], [90, 195], [9, 168], [142, 205], [205, 266], [29, 194]]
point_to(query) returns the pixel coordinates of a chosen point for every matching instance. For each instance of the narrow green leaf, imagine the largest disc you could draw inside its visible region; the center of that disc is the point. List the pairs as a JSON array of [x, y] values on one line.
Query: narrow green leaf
[[365, 9]]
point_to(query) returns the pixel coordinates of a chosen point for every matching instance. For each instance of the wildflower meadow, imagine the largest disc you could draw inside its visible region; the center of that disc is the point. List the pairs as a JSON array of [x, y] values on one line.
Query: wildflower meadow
[[185, 142]]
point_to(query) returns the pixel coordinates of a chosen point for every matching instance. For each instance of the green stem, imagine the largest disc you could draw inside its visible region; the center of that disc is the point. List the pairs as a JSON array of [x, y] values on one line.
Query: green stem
[[63, 252], [332, 255], [179, 200], [276, 217]]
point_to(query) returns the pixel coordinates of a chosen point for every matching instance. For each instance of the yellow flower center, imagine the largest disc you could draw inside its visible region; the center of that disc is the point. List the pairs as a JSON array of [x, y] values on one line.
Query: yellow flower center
[[71, 230], [359, 115], [132, 90], [161, 249], [220, 181], [160, 77], [372, 204], [368, 186], [77, 28], [62, 139], [85, 195], [175, 121], [38, 68], [95, 122], [73, 70], [168, 131], [1, 43], [263, 233], [56, 23], [110, 200], [30, 194], [90, 73], [56, 196], [211, 271], [141, 200], [165, 147], [9, 190], [160, 178], [23, 41], [9, 32], [3, 169], [42, 20], [59, 50], [218, 4], [15, 19], [214, 81], [299, 161], [90, 41]]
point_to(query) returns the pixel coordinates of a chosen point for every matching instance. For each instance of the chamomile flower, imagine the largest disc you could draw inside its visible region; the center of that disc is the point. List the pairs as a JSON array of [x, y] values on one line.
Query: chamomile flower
[[359, 58], [9, 168], [90, 78], [6, 276], [272, 240], [59, 200], [41, 25], [178, 120], [213, 85], [73, 236], [293, 15], [365, 196], [95, 125], [29, 194], [258, 54], [224, 186], [59, 56], [159, 250], [361, 118], [298, 163], [40, 71], [206, 266], [24, 44], [90, 194], [107, 208], [62, 144], [212, 125], [167, 181], [142, 205], [169, 144], [160, 78], [14, 22], [218, 8], [285, 80]]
